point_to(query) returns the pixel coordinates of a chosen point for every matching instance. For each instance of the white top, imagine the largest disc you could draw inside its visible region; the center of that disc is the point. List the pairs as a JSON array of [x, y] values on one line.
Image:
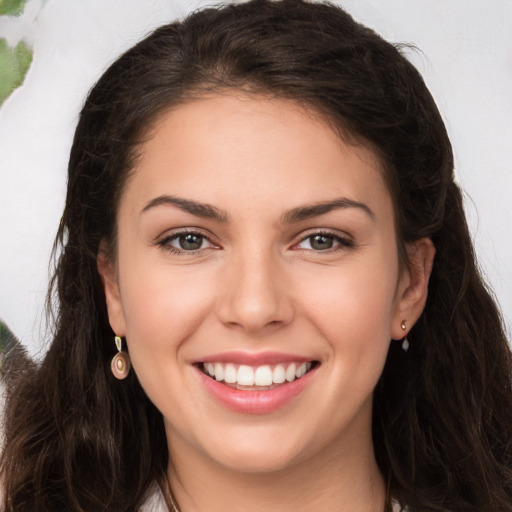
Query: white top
[[155, 502]]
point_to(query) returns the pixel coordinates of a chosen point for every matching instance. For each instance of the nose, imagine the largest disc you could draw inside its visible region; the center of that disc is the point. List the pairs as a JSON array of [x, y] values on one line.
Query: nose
[[254, 295]]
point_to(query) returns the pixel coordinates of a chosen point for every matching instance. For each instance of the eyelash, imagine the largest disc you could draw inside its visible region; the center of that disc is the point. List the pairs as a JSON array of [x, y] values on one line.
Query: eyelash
[[165, 243], [343, 243]]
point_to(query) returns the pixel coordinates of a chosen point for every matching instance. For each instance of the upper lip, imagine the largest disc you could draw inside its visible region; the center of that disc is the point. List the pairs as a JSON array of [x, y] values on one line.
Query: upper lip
[[254, 358]]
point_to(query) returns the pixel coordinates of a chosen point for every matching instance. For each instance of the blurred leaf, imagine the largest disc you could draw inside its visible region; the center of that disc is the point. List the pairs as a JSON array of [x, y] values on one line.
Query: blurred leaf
[[12, 7], [14, 64]]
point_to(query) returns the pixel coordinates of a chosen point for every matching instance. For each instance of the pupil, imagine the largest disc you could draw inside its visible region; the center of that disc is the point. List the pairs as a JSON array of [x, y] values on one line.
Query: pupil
[[190, 242], [321, 242]]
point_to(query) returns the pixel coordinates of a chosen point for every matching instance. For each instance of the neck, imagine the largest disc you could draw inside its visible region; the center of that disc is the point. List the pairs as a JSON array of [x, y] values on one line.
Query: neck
[[337, 479]]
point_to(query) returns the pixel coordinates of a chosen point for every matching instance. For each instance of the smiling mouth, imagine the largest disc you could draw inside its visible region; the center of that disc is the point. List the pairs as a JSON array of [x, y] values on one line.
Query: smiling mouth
[[254, 378]]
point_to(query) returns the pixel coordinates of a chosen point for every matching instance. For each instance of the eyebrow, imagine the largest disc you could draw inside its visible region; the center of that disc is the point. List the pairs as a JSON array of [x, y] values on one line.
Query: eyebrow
[[298, 214], [204, 210], [313, 210]]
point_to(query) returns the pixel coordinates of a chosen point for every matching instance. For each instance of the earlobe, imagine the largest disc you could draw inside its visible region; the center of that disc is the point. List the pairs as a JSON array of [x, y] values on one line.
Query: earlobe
[[107, 271], [413, 287]]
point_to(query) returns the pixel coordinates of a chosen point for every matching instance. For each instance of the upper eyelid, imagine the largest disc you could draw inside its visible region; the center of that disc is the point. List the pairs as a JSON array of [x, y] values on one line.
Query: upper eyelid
[[335, 233], [173, 233], [164, 242], [343, 240], [303, 235]]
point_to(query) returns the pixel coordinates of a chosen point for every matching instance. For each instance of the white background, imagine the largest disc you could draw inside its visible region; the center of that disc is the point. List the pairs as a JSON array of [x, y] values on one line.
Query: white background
[[466, 59]]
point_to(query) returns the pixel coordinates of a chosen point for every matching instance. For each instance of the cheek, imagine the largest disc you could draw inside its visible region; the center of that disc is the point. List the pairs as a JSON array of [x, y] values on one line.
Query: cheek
[[163, 307], [353, 308], [356, 296]]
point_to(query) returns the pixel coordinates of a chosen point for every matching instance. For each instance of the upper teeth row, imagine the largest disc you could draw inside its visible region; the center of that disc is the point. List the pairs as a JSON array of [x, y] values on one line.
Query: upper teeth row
[[256, 376]]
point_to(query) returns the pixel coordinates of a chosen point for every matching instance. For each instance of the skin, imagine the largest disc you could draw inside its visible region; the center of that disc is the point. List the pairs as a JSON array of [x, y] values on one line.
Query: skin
[[258, 284]]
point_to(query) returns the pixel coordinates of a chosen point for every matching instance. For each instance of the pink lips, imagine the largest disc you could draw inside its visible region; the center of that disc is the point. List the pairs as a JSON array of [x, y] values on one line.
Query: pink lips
[[257, 401], [254, 359]]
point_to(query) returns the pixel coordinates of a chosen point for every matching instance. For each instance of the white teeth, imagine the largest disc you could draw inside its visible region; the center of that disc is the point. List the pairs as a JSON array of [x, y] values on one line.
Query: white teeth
[[245, 376], [300, 371], [210, 368], [219, 371], [278, 375], [263, 376], [230, 374], [290, 373]]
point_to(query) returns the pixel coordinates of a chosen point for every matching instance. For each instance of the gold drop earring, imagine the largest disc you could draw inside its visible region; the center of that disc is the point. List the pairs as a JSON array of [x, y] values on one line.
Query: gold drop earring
[[121, 363]]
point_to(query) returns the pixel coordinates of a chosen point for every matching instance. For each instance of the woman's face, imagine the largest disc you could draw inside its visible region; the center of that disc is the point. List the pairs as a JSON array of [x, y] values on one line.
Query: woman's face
[[255, 245]]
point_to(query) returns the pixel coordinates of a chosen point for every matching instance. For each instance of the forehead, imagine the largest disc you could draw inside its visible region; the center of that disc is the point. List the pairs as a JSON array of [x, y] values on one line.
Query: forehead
[[242, 147]]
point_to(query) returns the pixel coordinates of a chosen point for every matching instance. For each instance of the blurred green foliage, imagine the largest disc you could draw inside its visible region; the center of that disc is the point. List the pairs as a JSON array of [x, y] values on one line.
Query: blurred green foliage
[[14, 64], [12, 7]]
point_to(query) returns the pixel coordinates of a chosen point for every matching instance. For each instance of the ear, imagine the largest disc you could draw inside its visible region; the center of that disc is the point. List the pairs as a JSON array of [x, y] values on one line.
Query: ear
[[413, 286], [108, 274]]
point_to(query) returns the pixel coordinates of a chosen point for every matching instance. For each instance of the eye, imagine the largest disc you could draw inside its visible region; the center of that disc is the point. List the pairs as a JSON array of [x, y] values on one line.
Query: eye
[[186, 242], [189, 241], [324, 242]]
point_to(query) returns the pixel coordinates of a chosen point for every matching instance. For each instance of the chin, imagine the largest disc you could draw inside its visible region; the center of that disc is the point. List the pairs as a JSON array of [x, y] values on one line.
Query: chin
[[257, 450], [257, 461]]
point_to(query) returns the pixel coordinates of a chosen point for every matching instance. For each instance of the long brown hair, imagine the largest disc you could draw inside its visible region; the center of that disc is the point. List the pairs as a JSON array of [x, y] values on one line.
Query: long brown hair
[[78, 440]]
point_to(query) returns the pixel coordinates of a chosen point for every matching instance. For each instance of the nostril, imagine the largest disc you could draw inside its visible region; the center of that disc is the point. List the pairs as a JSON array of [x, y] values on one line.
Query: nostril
[[255, 298]]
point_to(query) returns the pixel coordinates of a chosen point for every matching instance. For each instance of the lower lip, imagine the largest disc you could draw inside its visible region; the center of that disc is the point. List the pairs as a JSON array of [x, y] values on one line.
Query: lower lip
[[256, 402]]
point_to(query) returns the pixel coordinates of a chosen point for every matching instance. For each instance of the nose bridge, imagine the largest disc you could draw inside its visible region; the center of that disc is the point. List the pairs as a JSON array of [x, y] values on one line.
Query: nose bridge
[[254, 295]]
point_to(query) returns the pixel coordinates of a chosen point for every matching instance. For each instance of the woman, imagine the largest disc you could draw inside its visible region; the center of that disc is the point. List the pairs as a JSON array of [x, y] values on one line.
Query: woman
[[260, 200]]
